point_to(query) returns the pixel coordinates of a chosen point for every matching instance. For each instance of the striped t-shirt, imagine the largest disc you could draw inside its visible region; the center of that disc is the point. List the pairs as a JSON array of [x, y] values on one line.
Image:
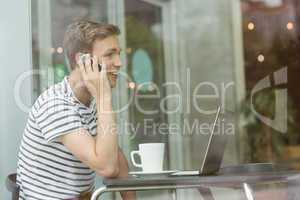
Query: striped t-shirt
[[46, 168]]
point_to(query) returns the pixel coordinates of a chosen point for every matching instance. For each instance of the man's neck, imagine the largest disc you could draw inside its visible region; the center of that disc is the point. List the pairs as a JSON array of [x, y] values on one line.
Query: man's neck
[[78, 87]]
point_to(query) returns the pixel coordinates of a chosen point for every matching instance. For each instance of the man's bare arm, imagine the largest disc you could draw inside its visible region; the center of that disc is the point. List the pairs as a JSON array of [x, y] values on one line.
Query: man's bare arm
[[83, 146], [124, 169], [101, 153]]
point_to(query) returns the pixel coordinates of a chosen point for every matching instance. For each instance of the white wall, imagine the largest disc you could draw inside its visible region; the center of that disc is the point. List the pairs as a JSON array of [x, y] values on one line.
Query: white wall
[[14, 59]]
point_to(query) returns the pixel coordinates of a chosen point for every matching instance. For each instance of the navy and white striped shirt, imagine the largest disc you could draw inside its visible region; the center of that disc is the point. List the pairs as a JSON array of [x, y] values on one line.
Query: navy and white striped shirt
[[46, 168]]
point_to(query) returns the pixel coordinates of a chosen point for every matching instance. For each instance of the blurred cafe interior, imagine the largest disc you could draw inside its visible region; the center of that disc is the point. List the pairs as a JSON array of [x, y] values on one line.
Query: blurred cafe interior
[[188, 56]]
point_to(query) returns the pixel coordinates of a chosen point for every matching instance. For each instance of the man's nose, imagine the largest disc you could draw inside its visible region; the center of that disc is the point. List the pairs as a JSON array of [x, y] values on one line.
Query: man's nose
[[118, 62]]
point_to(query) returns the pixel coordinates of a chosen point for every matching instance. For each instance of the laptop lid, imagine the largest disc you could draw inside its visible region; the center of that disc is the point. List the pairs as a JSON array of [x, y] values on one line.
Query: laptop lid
[[215, 147], [216, 144]]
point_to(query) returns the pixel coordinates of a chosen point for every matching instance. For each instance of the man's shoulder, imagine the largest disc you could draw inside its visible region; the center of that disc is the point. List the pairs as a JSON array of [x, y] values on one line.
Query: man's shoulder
[[54, 95]]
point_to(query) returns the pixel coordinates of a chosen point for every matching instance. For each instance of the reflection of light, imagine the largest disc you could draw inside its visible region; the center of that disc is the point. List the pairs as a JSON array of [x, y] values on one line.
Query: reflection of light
[[60, 50], [261, 58], [251, 26], [290, 26], [273, 3], [131, 85], [128, 50]]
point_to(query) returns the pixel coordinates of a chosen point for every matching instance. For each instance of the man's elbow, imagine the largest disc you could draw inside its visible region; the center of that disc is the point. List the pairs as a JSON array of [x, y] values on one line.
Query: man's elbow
[[109, 172]]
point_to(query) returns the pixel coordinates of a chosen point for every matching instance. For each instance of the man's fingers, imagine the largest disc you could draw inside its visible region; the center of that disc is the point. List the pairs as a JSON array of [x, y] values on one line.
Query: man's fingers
[[81, 66], [95, 63], [80, 63], [88, 63], [103, 65]]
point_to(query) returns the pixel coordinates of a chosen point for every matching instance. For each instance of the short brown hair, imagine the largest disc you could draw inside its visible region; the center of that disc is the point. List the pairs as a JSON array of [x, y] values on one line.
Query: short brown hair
[[80, 36]]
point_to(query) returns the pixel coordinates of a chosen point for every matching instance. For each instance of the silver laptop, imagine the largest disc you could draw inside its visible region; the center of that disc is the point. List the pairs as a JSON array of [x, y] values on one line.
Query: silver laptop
[[214, 150]]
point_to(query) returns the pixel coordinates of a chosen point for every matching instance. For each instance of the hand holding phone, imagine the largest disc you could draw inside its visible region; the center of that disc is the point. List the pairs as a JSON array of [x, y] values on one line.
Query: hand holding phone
[[97, 83], [83, 58]]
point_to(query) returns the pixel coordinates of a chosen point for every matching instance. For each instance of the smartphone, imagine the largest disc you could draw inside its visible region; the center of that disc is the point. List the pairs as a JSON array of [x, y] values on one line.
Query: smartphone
[[84, 56]]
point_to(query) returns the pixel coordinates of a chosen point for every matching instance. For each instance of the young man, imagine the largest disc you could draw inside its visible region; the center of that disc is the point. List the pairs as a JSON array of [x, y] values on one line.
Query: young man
[[71, 132]]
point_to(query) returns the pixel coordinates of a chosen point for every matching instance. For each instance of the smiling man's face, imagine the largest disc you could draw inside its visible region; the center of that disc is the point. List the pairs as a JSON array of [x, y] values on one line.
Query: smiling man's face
[[108, 51]]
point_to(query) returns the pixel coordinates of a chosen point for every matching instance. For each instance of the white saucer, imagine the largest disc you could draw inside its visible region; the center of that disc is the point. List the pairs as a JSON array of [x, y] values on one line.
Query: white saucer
[[160, 173]]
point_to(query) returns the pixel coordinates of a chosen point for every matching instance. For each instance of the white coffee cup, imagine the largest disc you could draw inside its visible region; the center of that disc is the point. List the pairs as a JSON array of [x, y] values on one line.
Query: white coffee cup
[[152, 157]]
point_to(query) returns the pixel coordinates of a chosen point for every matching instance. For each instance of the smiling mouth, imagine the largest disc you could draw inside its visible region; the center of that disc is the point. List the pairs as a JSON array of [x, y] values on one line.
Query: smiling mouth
[[114, 75]]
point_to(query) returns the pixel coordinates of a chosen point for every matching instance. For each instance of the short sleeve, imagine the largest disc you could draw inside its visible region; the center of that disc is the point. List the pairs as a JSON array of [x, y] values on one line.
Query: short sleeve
[[57, 117]]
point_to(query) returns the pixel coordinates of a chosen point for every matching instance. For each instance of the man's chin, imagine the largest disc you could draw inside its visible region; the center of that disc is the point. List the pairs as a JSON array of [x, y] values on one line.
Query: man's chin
[[113, 83]]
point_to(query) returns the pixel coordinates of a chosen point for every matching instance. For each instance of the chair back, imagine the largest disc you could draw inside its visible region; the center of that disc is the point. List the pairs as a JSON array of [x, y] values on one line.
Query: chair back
[[11, 185]]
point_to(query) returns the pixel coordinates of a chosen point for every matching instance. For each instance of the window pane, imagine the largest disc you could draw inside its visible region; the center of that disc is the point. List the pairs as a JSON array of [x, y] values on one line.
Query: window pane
[[271, 52]]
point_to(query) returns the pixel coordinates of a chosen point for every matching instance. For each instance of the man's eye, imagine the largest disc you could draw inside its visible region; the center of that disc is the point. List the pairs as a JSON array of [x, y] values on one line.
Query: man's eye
[[109, 55]]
